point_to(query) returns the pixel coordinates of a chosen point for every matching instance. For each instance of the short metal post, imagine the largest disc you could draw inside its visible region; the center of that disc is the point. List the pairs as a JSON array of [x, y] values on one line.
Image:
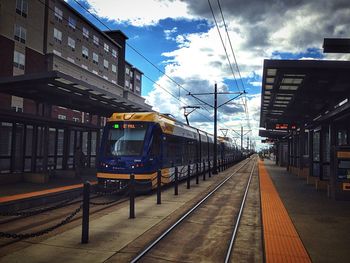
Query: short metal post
[[188, 177], [204, 171], [86, 211], [176, 181], [132, 196], [197, 173], [159, 185], [209, 170]]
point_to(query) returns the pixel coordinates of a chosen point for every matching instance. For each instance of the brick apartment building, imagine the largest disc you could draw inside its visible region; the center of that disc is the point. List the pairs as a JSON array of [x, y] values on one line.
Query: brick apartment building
[[60, 77]]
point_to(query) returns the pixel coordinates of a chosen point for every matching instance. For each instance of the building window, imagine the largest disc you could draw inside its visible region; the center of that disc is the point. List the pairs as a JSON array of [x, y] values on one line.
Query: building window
[[114, 53], [71, 43], [138, 88], [126, 83], [58, 14], [57, 52], [85, 33], [131, 74], [17, 104], [138, 77], [22, 7], [18, 60], [72, 22], [70, 59], [84, 67], [96, 40], [127, 70], [85, 52], [57, 35], [61, 117], [114, 68], [20, 34], [106, 47], [94, 58], [105, 64], [130, 86]]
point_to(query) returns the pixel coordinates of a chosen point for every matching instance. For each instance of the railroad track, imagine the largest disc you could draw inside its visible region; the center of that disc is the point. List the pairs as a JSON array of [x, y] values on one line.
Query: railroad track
[[207, 232]]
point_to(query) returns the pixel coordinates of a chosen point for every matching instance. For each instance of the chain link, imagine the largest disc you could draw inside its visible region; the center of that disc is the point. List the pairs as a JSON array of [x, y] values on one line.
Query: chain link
[[40, 210], [110, 202], [42, 232]]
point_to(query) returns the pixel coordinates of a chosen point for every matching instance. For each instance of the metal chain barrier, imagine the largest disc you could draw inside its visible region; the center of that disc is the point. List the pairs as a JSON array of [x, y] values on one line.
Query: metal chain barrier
[[40, 210], [110, 202], [42, 232]]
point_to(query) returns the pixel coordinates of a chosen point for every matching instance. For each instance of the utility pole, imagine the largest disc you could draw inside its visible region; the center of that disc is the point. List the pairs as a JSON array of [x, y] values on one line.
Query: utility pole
[[215, 107], [241, 138], [215, 171], [242, 135]]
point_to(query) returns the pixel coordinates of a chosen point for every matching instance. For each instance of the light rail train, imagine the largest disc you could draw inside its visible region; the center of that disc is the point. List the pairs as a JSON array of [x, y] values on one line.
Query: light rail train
[[143, 142]]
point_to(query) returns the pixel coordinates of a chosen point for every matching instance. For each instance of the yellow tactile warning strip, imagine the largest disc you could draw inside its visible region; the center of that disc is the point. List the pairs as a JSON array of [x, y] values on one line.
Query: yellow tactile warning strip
[[39, 193], [281, 240]]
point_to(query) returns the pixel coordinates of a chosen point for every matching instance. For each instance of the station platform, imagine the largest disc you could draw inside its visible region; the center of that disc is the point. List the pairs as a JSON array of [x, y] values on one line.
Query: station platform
[[13, 192], [321, 225]]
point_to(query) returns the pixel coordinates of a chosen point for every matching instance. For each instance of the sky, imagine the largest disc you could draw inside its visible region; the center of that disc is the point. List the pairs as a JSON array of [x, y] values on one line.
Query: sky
[[180, 38]]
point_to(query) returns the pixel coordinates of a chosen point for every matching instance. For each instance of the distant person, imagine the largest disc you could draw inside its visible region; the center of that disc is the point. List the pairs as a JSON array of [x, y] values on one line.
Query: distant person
[[79, 160]]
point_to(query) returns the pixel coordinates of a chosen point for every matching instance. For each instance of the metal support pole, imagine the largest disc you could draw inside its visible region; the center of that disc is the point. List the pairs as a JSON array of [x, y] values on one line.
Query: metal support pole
[[209, 168], [203, 170], [176, 181], [86, 211], [159, 185], [188, 177], [132, 196], [241, 138], [215, 129], [197, 173]]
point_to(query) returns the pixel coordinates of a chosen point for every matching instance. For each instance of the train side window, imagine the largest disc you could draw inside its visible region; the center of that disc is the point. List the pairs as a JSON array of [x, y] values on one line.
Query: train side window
[[156, 141]]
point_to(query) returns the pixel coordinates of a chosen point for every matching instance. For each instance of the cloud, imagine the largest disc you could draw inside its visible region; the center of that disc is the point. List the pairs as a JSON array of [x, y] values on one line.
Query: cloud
[[140, 12], [168, 33], [271, 29]]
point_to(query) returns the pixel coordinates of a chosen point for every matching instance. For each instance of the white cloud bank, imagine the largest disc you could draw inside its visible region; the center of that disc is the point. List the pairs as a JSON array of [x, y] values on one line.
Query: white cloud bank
[[258, 29], [140, 12]]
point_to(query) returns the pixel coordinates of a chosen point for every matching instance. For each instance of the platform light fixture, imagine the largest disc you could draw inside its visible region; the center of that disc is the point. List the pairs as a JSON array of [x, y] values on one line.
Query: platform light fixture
[[283, 98], [285, 87], [64, 81], [271, 72], [291, 80], [268, 87], [270, 80]]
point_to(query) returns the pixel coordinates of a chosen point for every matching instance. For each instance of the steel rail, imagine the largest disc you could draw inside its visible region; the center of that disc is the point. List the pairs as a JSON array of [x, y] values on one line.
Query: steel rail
[[234, 233], [166, 232]]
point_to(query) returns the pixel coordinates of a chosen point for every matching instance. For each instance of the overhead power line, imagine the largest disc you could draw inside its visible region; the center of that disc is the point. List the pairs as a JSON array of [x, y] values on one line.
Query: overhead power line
[[244, 100]]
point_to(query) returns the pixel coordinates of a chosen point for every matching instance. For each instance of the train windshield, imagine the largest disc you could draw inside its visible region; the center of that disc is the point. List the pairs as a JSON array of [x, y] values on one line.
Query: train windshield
[[125, 139]]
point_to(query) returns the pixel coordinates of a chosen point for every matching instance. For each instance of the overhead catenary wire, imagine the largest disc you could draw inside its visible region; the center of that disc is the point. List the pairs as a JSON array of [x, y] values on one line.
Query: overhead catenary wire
[[227, 56], [144, 57], [134, 49], [236, 63], [141, 55]]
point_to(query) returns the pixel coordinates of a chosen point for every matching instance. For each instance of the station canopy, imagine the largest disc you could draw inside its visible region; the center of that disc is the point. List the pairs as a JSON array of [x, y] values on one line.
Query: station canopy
[[59, 89], [302, 92]]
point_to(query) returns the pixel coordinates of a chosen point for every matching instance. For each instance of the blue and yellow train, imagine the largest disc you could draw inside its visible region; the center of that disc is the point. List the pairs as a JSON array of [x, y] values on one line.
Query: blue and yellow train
[[143, 142]]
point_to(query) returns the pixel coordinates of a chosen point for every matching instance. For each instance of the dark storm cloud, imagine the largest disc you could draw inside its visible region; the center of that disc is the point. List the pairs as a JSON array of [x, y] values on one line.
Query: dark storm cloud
[[260, 19]]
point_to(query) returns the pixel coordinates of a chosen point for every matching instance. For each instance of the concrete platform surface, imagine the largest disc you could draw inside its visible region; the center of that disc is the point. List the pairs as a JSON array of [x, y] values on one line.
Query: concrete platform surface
[[110, 232], [323, 224]]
